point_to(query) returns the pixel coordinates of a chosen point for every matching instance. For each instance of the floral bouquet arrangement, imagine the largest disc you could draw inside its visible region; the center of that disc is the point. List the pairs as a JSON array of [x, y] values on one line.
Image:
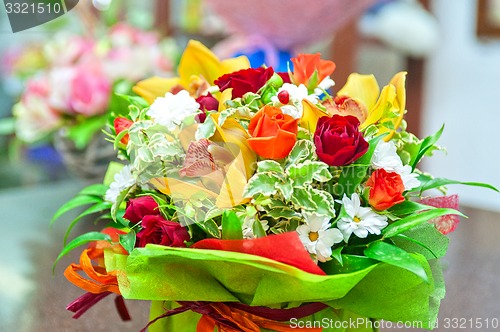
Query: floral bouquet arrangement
[[252, 200], [71, 98]]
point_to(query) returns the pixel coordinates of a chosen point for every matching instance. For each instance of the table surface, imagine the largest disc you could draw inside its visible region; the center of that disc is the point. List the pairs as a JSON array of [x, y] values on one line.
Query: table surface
[[33, 299]]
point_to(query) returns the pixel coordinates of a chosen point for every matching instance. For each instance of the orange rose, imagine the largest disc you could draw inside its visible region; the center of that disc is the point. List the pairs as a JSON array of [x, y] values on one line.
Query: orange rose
[[304, 67], [386, 189], [273, 133]]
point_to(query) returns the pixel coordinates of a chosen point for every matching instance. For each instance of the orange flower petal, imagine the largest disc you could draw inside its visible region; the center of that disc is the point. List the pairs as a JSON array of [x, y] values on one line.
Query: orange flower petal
[[277, 147]]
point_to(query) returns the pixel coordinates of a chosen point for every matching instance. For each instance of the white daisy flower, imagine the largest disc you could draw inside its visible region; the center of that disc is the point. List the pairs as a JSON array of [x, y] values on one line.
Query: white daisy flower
[[122, 180], [386, 157], [359, 220], [295, 95], [171, 110], [317, 236]]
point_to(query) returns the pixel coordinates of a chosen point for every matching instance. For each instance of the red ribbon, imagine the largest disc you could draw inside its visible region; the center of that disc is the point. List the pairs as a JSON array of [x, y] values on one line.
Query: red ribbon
[[285, 248]]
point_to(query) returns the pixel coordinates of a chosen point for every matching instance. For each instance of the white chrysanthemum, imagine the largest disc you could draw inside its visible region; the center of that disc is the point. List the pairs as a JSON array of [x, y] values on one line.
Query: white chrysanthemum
[[122, 180], [317, 236], [324, 85], [171, 110], [359, 220], [410, 180], [386, 157], [296, 95]]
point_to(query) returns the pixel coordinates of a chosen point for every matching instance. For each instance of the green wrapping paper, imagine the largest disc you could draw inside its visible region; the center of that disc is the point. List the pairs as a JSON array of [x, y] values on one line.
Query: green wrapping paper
[[379, 291]]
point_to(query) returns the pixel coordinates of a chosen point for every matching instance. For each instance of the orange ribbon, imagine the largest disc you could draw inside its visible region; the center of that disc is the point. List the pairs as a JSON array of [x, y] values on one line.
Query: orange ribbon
[[243, 321], [100, 280]]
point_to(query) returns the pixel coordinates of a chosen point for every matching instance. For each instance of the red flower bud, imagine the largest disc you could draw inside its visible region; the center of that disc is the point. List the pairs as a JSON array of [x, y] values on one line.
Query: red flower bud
[[138, 208]]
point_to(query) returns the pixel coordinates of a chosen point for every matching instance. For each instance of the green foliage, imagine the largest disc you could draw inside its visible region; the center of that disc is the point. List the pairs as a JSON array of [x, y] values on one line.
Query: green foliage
[[293, 186], [396, 256], [414, 220], [425, 145], [128, 240], [231, 226], [79, 241]]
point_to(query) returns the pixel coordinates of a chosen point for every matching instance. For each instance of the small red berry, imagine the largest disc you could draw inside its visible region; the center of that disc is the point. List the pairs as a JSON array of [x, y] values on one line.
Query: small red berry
[[284, 97]]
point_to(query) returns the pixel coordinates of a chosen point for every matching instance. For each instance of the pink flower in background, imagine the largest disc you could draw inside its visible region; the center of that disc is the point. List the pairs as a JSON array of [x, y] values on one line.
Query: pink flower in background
[[447, 223], [90, 91], [66, 50], [126, 35], [35, 116]]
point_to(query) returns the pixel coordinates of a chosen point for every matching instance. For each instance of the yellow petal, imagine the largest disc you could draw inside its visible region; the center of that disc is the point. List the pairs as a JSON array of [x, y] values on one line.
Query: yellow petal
[[361, 87], [384, 104], [225, 96], [182, 190], [235, 136], [198, 60], [310, 115], [231, 193], [399, 81], [154, 87], [234, 64]]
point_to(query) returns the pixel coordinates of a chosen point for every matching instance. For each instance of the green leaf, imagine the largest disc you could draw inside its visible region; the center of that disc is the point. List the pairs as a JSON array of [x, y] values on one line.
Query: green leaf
[[408, 207], [304, 173], [258, 230], [303, 198], [324, 201], [283, 212], [81, 240], [350, 263], [99, 207], [302, 150], [210, 228], [128, 240], [231, 226], [439, 182], [337, 254], [414, 220], [426, 144], [97, 189], [119, 200], [393, 255], [269, 166], [261, 183], [350, 179], [286, 189], [74, 203], [134, 100]]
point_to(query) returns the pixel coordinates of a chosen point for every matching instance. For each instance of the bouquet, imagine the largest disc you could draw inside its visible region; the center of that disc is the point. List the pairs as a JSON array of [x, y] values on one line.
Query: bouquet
[[251, 200]]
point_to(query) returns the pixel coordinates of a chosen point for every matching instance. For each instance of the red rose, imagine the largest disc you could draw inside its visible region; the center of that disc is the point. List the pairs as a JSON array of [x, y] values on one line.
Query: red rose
[[246, 80], [138, 208], [120, 125], [338, 140], [157, 230], [207, 103], [273, 133], [386, 189]]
